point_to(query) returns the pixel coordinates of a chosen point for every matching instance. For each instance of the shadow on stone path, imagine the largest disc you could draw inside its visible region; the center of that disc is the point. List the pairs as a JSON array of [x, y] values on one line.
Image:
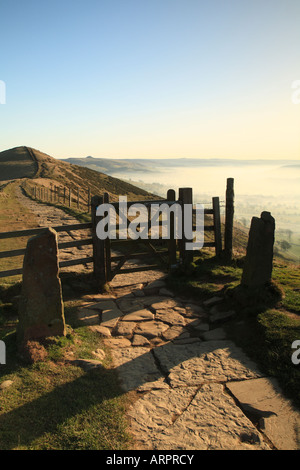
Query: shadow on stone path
[[196, 389]]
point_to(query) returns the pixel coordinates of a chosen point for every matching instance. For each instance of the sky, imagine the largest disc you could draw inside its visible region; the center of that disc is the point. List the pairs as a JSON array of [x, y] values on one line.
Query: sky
[[151, 78]]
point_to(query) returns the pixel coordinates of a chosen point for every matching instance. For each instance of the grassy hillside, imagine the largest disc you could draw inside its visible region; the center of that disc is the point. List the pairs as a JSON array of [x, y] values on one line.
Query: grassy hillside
[[16, 163], [26, 162]]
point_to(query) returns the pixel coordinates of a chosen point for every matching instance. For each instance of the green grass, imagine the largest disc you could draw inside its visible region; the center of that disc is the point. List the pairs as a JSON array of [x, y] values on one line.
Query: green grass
[[206, 277], [56, 405]]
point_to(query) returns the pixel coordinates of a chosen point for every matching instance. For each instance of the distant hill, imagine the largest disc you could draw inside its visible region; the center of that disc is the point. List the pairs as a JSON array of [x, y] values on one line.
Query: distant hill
[[151, 165], [26, 162], [111, 165]]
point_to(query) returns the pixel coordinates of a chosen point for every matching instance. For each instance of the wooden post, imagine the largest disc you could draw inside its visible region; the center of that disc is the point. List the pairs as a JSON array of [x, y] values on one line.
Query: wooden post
[[70, 197], [78, 198], [229, 213], [98, 244], [65, 196], [171, 196], [107, 247], [217, 225], [186, 198]]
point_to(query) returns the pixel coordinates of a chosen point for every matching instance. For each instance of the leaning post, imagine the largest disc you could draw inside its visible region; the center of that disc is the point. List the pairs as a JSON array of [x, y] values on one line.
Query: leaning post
[[229, 213]]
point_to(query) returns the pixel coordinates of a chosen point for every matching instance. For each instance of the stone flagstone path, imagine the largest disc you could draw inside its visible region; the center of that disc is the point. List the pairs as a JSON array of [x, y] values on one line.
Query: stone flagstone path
[[195, 388]]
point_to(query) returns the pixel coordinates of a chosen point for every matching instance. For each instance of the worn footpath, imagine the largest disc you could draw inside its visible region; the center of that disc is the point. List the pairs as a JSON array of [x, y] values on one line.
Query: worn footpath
[[194, 388]]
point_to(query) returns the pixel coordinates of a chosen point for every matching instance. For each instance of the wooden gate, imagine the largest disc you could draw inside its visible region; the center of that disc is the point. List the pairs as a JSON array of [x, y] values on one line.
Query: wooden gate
[[162, 253]]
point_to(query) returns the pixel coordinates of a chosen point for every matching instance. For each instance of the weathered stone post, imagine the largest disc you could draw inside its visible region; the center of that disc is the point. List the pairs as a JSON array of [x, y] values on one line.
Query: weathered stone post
[[41, 308], [258, 265]]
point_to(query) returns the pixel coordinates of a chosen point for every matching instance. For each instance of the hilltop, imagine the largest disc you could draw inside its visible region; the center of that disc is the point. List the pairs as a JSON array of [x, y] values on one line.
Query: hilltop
[[26, 162]]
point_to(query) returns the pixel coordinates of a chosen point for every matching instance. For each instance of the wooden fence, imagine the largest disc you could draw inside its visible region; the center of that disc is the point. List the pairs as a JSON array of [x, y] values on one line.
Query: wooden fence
[[28, 233], [103, 258], [78, 198]]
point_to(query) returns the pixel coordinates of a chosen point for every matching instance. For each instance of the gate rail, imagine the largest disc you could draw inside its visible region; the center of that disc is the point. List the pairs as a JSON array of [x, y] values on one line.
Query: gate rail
[[36, 231]]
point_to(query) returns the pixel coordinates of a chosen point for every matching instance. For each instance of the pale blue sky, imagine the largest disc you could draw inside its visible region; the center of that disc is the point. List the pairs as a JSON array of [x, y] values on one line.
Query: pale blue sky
[[168, 78]]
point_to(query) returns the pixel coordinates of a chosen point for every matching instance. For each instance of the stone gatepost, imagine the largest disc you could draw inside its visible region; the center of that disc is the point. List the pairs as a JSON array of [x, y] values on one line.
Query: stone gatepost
[[41, 308], [258, 265]]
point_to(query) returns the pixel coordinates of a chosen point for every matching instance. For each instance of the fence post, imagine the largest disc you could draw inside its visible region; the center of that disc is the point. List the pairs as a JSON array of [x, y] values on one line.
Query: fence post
[[78, 198], [217, 225], [107, 246], [186, 198], [70, 197], [229, 213], [64, 195], [171, 196], [98, 244]]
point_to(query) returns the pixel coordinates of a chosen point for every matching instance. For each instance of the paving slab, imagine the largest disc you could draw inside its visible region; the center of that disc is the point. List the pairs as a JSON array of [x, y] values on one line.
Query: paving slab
[[193, 419], [137, 369], [278, 419], [125, 328], [206, 361], [102, 330], [110, 316], [88, 316], [139, 315], [165, 304], [214, 334], [175, 332], [139, 340], [151, 329], [170, 316]]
